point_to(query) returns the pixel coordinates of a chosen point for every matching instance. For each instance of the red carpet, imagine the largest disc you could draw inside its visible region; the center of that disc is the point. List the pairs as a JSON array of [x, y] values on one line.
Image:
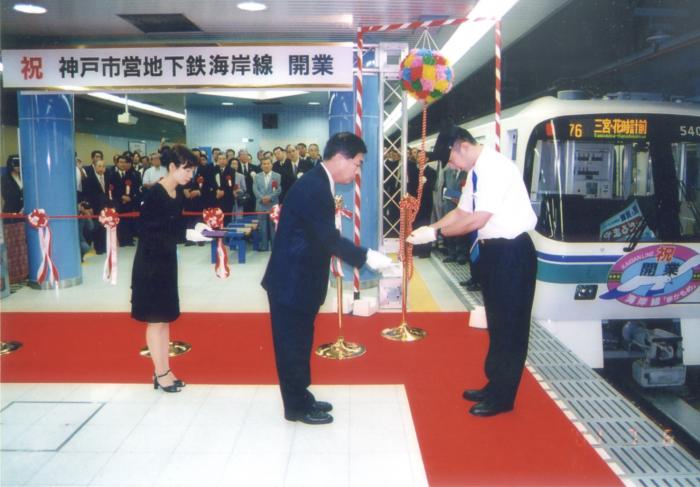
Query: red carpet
[[535, 445]]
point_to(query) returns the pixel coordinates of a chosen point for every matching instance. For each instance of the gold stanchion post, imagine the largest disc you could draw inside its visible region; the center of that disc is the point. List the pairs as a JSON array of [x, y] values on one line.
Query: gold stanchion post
[[9, 347], [174, 349], [403, 332], [340, 349]]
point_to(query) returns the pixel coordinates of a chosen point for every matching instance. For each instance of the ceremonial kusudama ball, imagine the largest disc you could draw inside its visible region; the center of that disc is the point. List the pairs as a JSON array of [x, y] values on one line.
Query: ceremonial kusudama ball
[[426, 74]]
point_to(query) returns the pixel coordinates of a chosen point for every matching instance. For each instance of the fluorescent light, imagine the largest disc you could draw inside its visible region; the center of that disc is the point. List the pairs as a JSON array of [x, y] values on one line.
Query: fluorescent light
[[252, 6], [254, 94], [144, 107], [28, 8], [314, 103], [463, 39], [227, 103]]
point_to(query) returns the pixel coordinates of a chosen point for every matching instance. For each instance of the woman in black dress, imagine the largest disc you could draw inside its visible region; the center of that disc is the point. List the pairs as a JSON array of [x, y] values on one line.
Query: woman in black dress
[[154, 295]]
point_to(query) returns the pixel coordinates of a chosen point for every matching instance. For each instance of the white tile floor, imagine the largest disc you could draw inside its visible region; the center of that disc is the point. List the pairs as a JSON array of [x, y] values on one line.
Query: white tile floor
[[130, 435]]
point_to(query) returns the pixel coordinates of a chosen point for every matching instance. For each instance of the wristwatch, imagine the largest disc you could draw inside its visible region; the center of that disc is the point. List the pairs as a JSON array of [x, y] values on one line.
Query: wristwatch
[[438, 233]]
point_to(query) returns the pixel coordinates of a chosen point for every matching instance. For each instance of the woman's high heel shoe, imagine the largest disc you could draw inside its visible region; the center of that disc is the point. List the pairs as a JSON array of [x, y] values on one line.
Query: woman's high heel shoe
[[177, 382], [171, 388]]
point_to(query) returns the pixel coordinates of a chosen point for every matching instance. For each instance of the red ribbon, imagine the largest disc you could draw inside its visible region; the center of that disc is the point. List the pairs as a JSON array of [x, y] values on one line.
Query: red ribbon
[[109, 218], [39, 220], [200, 181], [214, 217], [275, 214], [336, 263], [228, 179], [274, 184]]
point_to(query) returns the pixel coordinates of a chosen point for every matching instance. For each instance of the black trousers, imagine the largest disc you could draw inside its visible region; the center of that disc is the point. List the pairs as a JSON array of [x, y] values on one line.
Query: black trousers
[[508, 272], [292, 336]]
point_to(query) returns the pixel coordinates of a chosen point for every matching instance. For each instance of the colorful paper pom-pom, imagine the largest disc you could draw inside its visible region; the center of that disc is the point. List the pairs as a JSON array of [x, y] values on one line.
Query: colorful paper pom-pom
[[426, 75]]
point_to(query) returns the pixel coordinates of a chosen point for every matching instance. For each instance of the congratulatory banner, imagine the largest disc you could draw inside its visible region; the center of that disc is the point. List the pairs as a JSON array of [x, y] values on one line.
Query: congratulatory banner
[[305, 65]]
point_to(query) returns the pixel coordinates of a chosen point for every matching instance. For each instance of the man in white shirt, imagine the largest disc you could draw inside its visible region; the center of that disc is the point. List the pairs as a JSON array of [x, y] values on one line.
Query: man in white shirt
[[154, 173], [496, 204]]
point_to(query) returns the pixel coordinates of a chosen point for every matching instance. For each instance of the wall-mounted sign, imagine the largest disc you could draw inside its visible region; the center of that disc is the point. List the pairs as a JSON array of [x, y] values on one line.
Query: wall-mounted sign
[[262, 66]]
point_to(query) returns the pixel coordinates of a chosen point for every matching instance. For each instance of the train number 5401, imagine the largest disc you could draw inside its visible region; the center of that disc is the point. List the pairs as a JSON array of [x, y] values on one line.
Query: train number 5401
[[693, 131]]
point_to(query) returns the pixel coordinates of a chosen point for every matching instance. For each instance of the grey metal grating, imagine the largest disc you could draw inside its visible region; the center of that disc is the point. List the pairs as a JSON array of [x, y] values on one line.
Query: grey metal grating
[[636, 448]]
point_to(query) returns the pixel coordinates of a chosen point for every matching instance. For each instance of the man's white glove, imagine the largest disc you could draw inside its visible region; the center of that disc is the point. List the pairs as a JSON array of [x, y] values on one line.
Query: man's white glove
[[422, 235], [377, 261], [195, 234]]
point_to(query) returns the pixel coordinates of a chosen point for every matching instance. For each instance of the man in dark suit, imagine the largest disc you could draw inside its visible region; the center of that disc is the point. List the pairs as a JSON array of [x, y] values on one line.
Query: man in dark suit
[[296, 278], [292, 169], [126, 192], [96, 193], [199, 193], [249, 170]]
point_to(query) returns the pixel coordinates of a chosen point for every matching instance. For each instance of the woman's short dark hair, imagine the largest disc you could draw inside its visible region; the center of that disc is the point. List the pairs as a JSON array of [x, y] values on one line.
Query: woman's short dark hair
[[345, 143], [179, 155]]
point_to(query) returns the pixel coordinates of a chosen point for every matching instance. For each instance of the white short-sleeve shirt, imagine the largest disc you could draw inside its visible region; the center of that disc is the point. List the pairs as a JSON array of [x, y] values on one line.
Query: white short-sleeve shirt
[[500, 190], [153, 174]]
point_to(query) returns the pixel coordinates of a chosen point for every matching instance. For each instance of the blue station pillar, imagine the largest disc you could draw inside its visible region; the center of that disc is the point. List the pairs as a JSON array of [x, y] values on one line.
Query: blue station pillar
[[341, 118], [47, 155]]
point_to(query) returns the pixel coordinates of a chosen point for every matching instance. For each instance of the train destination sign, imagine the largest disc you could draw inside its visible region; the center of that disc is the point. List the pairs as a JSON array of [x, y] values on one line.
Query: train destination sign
[[626, 127], [239, 66]]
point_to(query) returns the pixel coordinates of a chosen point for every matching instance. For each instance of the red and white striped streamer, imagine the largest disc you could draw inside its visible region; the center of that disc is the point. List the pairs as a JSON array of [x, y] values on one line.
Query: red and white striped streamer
[[39, 220], [358, 178], [421, 25], [497, 33], [336, 263], [214, 217], [110, 219], [275, 214]]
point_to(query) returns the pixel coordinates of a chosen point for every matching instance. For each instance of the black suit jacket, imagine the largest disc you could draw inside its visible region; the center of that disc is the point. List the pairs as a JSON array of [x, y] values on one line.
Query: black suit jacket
[[249, 204], [119, 184], [297, 273], [12, 194], [93, 193]]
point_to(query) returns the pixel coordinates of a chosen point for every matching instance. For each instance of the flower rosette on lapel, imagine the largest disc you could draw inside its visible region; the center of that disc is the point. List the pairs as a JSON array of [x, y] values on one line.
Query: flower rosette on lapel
[[110, 189], [214, 217], [274, 184], [340, 212], [200, 181], [39, 219], [275, 215], [127, 187], [229, 181], [109, 218]]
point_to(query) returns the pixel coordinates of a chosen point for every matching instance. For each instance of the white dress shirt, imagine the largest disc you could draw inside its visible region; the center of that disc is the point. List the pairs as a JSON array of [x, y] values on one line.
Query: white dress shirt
[[500, 190]]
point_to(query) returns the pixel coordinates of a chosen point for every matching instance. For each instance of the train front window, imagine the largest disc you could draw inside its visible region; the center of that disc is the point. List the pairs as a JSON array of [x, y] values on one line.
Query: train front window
[[612, 177]]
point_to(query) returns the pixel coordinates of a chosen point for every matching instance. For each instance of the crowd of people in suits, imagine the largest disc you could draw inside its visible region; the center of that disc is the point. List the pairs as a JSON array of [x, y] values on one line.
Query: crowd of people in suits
[[442, 187], [229, 180]]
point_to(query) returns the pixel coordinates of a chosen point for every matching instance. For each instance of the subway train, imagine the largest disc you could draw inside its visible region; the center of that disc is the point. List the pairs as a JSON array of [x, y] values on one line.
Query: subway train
[[615, 183]]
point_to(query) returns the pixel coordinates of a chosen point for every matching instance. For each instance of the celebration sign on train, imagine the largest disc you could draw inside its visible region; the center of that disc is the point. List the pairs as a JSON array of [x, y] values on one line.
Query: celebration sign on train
[[654, 276]]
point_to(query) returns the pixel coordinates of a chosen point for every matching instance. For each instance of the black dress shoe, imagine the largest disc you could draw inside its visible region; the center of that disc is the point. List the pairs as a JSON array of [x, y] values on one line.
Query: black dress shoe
[[461, 261], [474, 395], [472, 285], [315, 416], [449, 259], [464, 283], [324, 406], [487, 408]]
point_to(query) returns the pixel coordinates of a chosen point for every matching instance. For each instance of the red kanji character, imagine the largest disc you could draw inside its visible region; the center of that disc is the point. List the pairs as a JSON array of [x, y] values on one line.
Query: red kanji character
[[31, 68]]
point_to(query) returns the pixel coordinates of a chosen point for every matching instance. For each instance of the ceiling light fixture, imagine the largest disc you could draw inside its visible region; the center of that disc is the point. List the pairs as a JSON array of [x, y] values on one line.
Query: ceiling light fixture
[[28, 8], [254, 94], [314, 103], [144, 107], [461, 41], [252, 6], [227, 103]]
